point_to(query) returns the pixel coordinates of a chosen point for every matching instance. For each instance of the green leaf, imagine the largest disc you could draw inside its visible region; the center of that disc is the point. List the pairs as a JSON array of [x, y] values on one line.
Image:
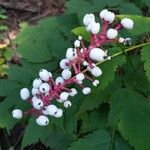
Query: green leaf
[[82, 31], [108, 68], [42, 40], [6, 86], [98, 140], [19, 74], [145, 57], [130, 114]]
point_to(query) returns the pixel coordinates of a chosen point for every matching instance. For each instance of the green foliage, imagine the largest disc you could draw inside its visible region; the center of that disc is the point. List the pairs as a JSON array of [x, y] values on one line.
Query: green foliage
[[116, 115]]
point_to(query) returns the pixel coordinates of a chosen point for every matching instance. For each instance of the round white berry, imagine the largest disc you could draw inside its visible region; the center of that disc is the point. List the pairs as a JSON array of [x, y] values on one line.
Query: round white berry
[[51, 109], [88, 18], [80, 37], [80, 77], [86, 90], [95, 82], [112, 33], [102, 13], [97, 54], [63, 64], [109, 16], [59, 100], [34, 98], [109, 58], [42, 120], [59, 113], [96, 71], [71, 53], [95, 28], [37, 82], [59, 80], [17, 113], [44, 88], [77, 43], [24, 93], [73, 92], [66, 74], [44, 75], [85, 63], [67, 104], [44, 111], [127, 23], [64, 96], [38, 104], [121, 40], [35, 91]]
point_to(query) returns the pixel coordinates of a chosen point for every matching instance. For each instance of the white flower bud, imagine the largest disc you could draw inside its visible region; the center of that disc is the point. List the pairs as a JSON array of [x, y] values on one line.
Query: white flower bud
[[97, 54], [96, 71], [64, 96], [59, 80], [24, 93], [59, 113], [121, 40], [17, 113], [44, 88], [77, 43], [73, 92], [66, 74], [88, 18], [80, 37], [51, 109], [85, 63], [38, 104], [95, 82], [80, 77], [127, 23], [112, 33], [109, 16], [63, 64], [71, 54], [86, 90], [36, 83], [67, 104], [42, 120], [103, 12], [35, 91], [44, 75]]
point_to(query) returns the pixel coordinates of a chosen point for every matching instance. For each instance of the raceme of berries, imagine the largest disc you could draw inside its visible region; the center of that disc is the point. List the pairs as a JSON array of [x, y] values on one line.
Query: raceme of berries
[[46, 89]]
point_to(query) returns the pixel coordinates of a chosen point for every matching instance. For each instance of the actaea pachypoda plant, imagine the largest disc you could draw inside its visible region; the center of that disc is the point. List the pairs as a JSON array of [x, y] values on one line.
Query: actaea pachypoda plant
[[46, 89]]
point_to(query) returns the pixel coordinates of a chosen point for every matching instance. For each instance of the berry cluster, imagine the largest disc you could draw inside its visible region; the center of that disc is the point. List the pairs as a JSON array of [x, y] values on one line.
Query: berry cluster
[[46, 89]]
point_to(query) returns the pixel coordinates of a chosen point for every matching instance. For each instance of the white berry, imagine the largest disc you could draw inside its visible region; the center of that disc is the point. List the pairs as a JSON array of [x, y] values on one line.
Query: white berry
[[80, 77], [127, 23], [96, 71], [51, 109], [86, 90], [67, 104], [102, 13], [85, 63], [73, 92], [66, 74], [97, 54], [37, 82], [59, 113], [63, 63], [37, 104], [17, 113], [64, 96], [24, 93], [44, 75], [80, 37], [44, 88], [42, 120], [121, 40], [112, 33], [35, 91], [77, 43], [109, 16], [88, 18], [96, 28], [59, 80], [71, 53], [95, 82]]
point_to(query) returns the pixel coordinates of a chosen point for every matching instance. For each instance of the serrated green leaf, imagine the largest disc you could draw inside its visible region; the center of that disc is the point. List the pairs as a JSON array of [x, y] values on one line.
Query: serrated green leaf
[[145, 57], [108, 68], [98, 140], [6, 86], [130, 113], [19, 74]]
